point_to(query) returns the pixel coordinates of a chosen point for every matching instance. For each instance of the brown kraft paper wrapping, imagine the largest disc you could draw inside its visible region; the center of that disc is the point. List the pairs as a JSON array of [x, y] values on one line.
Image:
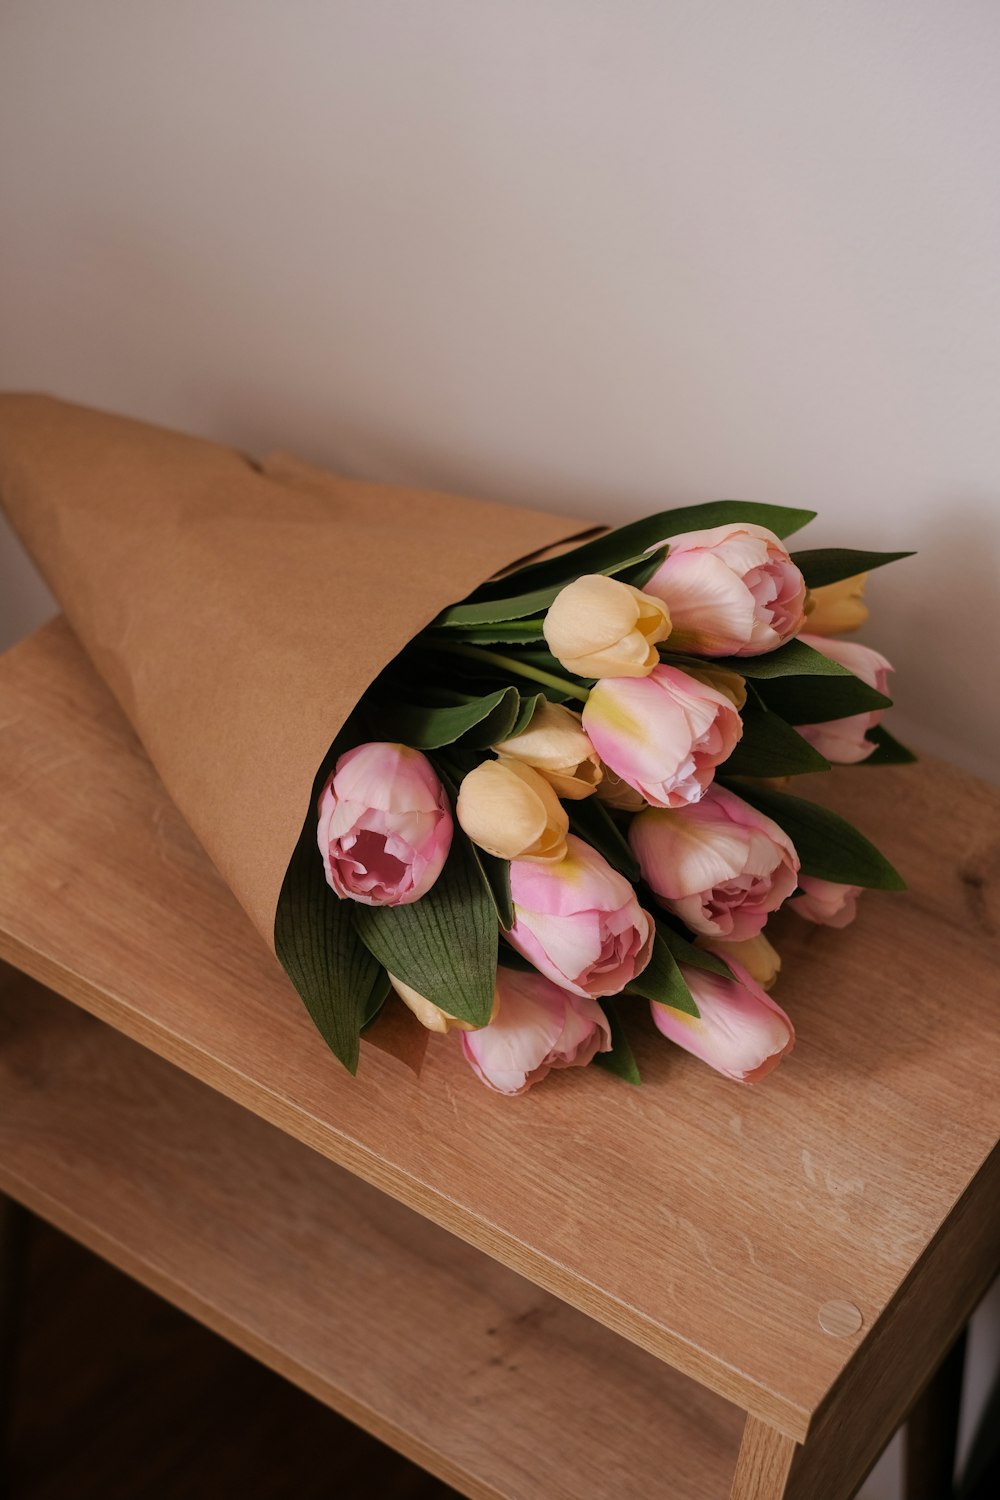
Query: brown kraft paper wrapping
[[236, 611]]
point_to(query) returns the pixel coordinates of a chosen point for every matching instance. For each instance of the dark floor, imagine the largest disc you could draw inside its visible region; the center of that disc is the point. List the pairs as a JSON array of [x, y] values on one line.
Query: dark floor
[[120, 1397]]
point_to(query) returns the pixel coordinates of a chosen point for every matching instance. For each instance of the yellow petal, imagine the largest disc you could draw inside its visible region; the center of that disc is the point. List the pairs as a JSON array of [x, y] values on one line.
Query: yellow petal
[[511, 811], [758, 956], [426, 1012], [556, 746], [837, 608]]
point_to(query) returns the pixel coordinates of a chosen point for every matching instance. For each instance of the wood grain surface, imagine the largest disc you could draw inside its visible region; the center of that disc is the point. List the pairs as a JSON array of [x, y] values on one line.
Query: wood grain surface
[[707, 1222], [882, 1382], [482, 1378]]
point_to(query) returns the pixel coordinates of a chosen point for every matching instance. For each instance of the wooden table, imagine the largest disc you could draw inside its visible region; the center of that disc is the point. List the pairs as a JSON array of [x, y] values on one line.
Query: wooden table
[[680, 1291]]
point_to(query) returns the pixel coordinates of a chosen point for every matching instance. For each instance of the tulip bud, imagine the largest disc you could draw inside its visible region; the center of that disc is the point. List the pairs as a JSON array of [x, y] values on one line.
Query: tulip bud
[[555, 745], [740, 1031], [759, 957], [384, 825], [512, 812], [837, 608], [599, 627], [719, 864], [579, 922], [845, 741], [731, 591], [429, 1014], [663, 734], [825, 902], [536, 1027]]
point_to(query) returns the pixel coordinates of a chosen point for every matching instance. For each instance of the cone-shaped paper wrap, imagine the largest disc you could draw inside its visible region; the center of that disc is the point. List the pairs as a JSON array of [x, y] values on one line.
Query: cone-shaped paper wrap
[[238, 612]]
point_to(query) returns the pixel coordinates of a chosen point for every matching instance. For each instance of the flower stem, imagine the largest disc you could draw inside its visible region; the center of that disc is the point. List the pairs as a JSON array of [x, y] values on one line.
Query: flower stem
[[513, 664]]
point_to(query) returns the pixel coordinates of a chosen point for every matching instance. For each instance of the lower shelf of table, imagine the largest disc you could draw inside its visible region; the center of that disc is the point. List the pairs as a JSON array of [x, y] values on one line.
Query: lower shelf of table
[[485, 1380]]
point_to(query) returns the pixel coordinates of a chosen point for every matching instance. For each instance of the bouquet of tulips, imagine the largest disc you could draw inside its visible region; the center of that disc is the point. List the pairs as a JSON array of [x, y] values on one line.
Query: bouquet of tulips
[[568, 796], [543, 806]]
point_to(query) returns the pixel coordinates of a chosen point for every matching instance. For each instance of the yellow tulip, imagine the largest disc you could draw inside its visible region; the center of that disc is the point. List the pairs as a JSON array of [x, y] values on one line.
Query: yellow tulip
[[599, 627], [556, 746], [510, 811]]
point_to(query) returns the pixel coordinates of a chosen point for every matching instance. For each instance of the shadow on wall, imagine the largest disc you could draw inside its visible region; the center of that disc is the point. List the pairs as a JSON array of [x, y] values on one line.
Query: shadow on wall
[[920, 609]]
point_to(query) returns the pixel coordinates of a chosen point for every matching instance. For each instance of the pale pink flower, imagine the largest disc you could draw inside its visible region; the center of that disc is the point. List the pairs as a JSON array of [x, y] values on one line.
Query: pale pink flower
[[538, 1026], [825, 902], [740, 1031], [720, 865], [731, 591], [845, 741], [385, 826], [579, 922], [664, 734]]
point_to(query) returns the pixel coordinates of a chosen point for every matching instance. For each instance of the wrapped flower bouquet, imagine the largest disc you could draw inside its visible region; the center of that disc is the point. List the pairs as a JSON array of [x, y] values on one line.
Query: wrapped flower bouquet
[[516, 803]]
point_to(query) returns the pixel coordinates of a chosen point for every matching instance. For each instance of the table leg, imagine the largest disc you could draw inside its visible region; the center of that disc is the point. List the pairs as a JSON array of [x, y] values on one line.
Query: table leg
[[932, 1430], [13, 1241], [764, 1463]]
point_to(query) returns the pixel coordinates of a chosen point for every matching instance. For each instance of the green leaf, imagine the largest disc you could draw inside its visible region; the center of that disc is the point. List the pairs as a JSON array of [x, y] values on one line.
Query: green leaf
[[793, 659], [444, 945], [529, 702], [816, 700], [889, 751], [503, 633], [620, 1060], [662, 980], [771, 747], [495, 873], [823, 565], [478, 720], [827, 845], [615, 548], [380, 992], [803, 686], [685, 952], [519, 606], [638, 574], [320, 951], [590, 820]]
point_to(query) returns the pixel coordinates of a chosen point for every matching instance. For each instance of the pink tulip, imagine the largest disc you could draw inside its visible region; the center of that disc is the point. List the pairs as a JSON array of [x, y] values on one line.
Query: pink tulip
[[825, 902], [384, 825], [720, 865], [845, 740], [538, 1027], [740, 1032], [664, 734], [579, 922], [731, 591]]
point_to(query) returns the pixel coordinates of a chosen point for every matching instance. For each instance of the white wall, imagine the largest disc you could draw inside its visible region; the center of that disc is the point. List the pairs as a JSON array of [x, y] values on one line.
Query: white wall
[[599, 254], [595, 254]]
